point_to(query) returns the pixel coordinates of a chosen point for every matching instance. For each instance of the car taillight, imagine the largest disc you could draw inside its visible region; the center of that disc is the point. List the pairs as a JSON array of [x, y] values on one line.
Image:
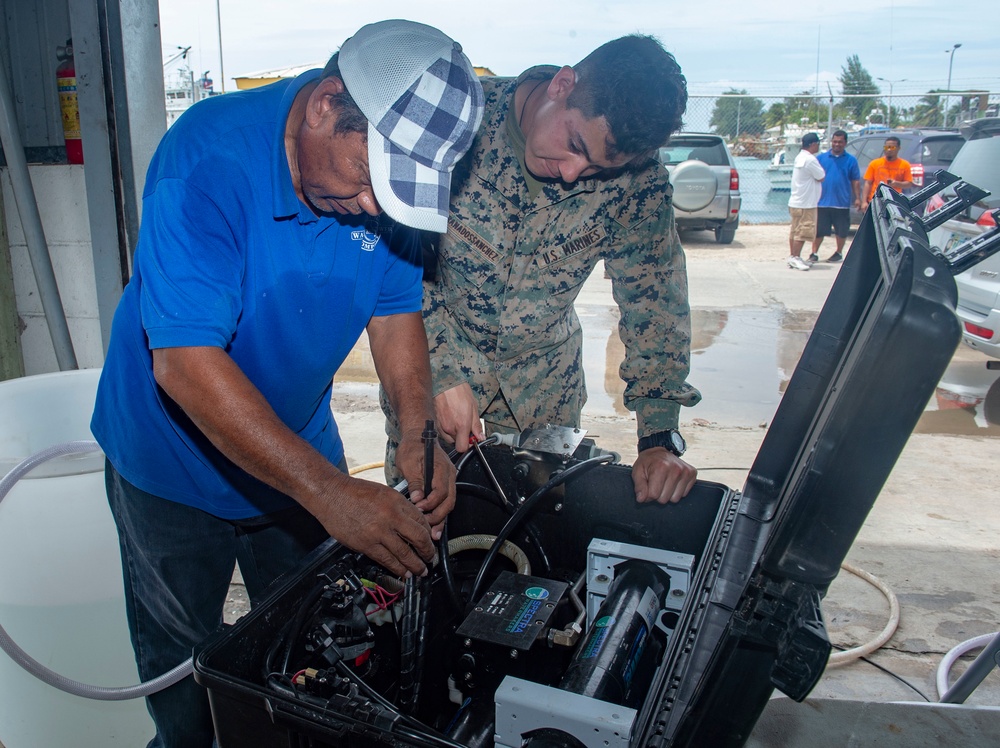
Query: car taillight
[[933, 204], [987, 220], [982, 332], [734, 179], [917, 172]]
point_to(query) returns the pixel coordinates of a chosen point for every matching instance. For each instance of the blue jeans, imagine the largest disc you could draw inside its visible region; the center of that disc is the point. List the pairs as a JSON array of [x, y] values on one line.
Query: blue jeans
[[177, 564]]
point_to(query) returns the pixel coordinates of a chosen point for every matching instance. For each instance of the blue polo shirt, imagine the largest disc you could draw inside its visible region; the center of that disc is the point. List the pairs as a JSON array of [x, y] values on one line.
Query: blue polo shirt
[[228, 256], [840, 172]]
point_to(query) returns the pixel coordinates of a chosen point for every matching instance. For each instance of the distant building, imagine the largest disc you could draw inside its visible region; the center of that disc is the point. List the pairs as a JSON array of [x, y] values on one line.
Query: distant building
[[264, 77], [253, 80]]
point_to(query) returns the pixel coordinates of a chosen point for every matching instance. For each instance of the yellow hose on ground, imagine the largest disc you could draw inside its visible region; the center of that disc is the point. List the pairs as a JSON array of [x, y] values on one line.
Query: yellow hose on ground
[[363, 468]]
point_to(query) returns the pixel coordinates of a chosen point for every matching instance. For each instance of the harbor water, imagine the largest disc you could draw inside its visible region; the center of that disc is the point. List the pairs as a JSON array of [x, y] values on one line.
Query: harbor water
[[761, 204]]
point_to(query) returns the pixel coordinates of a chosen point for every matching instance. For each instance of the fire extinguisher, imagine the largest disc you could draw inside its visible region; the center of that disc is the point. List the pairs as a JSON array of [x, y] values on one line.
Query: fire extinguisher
[[68, 104]]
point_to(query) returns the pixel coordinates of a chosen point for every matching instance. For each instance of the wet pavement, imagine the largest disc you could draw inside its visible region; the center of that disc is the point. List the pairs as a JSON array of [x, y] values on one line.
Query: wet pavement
[[742, 359]]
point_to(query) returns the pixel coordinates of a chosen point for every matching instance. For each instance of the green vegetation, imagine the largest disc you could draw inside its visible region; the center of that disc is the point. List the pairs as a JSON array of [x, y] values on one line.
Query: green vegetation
[[856, 81], [743, 119], [739, 115]]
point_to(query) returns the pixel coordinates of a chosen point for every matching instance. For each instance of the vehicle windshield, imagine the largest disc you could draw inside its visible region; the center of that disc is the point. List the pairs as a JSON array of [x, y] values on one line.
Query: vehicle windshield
[[977, 162], [940, 150], [709, 151]]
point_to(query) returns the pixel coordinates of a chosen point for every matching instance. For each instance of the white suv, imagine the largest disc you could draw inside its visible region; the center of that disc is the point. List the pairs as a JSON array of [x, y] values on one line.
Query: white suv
[[978, 162], [706, 183]]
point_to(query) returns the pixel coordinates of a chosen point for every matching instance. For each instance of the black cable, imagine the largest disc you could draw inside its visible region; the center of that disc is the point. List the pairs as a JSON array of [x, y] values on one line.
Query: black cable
[[308, 605], [413, 641], [273, 647], [408, 645], [485, 492], [887, 671], [447, 572], [523, 510], [424, 732], [424, 589]]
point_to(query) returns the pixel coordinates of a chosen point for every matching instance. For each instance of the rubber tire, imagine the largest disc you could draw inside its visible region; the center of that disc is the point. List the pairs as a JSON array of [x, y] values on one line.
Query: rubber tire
[[725, 233], [991, 406]]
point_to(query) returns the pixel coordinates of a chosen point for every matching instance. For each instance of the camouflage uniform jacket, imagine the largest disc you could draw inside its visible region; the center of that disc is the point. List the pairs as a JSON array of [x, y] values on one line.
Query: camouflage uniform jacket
[[500, 313]]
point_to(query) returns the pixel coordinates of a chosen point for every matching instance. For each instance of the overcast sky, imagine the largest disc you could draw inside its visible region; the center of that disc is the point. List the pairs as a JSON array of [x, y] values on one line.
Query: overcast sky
[[769, 47]]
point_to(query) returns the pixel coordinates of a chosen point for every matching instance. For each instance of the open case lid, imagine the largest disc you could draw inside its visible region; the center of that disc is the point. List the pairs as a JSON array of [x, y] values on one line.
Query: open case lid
[[879, 347]]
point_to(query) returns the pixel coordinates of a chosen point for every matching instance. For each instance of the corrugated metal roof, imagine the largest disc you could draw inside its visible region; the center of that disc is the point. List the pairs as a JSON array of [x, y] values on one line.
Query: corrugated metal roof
[[289, 72]]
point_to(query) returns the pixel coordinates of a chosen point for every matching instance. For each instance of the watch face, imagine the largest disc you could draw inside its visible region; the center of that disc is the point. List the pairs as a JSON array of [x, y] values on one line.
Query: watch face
[[677, 443]]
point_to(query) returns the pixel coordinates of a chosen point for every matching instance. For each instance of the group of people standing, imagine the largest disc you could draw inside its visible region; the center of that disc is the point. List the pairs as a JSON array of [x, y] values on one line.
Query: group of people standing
[[826, 186]]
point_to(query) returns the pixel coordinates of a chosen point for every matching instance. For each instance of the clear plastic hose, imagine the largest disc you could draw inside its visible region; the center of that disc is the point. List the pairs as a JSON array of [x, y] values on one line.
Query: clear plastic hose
[[37, 669]]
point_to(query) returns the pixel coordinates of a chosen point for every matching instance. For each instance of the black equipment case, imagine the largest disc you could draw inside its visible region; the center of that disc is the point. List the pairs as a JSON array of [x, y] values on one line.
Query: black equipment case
[[735, 577]]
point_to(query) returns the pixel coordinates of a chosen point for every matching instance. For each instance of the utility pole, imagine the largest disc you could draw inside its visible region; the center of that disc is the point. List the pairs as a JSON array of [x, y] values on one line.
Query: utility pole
[[948, 95], [886, 80], [222, 67]]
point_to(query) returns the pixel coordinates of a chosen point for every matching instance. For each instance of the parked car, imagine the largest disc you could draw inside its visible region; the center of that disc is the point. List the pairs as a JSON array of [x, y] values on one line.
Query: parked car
[[978, 162], [706, 183], [928, 150]]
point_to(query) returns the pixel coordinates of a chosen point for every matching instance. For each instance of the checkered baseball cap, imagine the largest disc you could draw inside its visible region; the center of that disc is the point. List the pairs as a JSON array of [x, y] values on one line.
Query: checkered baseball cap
[[423, 103]]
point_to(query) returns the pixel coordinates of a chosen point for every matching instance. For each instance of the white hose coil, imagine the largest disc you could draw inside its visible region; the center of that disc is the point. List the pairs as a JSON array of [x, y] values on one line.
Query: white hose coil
[[484, 542], [849, 655], [949, 660]]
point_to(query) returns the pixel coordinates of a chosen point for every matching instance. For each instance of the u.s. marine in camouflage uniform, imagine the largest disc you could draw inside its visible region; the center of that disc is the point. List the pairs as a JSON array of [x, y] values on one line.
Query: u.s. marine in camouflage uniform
[[526, 229]]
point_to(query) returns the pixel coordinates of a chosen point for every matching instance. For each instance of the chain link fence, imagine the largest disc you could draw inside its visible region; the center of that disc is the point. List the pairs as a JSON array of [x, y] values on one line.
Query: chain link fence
[[764, 132]]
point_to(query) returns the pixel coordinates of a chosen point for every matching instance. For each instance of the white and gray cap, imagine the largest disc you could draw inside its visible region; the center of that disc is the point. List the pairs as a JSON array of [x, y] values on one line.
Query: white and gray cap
[[423, 103]]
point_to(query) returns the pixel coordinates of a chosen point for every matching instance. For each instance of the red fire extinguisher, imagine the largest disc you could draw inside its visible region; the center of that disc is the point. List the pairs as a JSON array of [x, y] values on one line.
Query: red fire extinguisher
[[66, 81]]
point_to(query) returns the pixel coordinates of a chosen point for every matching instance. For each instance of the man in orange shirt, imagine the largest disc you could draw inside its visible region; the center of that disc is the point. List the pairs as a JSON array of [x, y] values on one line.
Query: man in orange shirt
[[890, 169]]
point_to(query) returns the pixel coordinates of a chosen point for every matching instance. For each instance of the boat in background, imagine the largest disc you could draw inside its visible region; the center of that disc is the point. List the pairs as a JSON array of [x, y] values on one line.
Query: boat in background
[[181, 90], [784, 149]]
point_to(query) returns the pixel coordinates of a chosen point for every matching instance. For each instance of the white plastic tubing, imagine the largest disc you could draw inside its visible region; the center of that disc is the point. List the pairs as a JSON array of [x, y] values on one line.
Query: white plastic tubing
[[949, 660], [849, 655], [22, 658]]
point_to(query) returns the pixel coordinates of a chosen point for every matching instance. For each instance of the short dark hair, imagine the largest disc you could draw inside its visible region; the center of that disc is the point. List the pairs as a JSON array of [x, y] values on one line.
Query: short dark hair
[[637, 86], [839, 134], [895, 139], [351, 118]]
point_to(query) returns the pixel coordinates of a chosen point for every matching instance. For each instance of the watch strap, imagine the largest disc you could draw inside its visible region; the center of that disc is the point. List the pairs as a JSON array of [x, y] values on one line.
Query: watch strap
[[665, 439]]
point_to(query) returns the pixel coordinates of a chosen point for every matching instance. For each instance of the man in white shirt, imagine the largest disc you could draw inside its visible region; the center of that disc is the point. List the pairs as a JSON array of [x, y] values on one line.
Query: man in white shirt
[[807, 186]]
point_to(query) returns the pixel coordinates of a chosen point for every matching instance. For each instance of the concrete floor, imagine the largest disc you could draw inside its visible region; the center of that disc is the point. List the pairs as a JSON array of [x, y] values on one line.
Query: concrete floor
[[932, 536]]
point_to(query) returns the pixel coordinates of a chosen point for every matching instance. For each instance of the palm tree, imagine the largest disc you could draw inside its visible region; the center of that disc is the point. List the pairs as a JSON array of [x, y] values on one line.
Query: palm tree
[[927, 113]]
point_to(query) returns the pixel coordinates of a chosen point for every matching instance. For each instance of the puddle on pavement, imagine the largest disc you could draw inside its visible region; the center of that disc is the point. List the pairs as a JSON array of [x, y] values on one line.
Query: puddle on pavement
[[741, 360]]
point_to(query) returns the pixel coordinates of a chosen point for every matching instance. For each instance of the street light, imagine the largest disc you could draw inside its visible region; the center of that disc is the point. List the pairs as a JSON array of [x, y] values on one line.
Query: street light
[[951, 59], [886, 80]]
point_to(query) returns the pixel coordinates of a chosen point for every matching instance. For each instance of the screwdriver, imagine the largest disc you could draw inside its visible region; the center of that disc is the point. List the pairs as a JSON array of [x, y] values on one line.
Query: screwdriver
[[429, 437]]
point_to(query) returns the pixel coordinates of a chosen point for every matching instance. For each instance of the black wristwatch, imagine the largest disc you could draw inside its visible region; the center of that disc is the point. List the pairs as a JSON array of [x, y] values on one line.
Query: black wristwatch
[[670, 439]]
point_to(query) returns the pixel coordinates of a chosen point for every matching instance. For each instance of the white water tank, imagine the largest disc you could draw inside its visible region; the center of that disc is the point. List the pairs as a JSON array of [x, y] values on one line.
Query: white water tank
[[61, 596]]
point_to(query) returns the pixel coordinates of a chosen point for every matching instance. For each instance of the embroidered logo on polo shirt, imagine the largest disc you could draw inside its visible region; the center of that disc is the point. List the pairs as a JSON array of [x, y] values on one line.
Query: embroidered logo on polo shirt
[[473, 239], [368, 239], [578, 243]]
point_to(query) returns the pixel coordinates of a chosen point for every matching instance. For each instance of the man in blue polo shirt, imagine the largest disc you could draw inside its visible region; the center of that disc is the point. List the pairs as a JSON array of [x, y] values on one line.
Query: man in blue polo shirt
[[258, 266], [841, 189]]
